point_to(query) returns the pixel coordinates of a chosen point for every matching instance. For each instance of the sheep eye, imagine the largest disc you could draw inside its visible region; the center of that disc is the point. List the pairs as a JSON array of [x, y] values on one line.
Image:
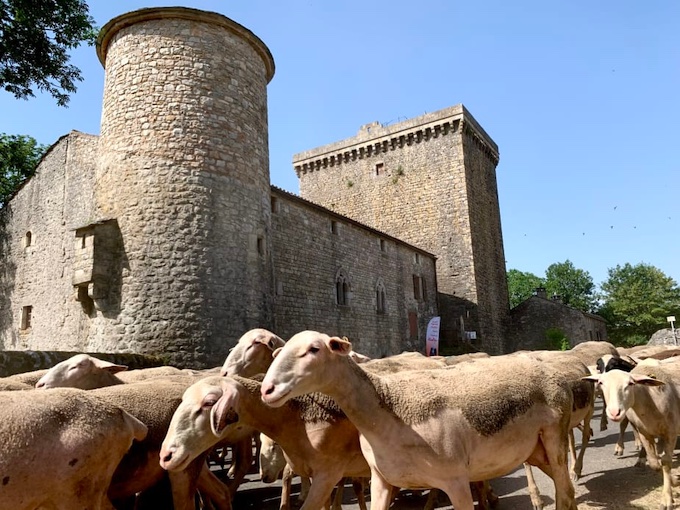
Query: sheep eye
[[313, 350]]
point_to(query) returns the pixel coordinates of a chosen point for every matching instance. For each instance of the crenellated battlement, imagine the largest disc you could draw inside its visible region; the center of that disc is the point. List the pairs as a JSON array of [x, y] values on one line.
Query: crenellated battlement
[[374, 139]]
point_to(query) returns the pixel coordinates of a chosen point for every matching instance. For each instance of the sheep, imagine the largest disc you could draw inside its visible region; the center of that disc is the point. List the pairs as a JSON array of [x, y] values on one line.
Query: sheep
[[10, 385], [401, 362], [29, 378], [439, 428], [625, 363], [416, 361], [81, 371], [52, 453], [251, 357], [88, 372], [153, 402], [454, 360], [252, 354], [572, 369], [649, 396], [317, 438]]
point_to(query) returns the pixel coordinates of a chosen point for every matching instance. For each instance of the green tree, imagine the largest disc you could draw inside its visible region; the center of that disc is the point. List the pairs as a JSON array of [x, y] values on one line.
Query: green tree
[[574, 286], [521, 286], [35, 38], [636, 301], [19, 156]]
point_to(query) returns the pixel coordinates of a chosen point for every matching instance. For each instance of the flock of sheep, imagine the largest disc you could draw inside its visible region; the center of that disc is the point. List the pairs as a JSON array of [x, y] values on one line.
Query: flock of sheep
[[87, 434]]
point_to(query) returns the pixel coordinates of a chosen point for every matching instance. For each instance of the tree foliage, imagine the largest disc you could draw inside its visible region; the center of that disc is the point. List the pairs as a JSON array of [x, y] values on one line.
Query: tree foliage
[[19, 156], [35, 38], [574, 286], [636, 301], [521, 286]]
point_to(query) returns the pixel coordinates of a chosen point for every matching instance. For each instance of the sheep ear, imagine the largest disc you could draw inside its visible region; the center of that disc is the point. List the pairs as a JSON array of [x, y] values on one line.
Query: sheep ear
[[222, 414], [276, 352], [646, 380], [276, 342], [108, 366], [340, 345], [593, 378]]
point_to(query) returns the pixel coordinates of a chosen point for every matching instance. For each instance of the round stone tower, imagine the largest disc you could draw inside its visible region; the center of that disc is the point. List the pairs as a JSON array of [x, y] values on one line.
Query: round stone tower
[[183, 168]]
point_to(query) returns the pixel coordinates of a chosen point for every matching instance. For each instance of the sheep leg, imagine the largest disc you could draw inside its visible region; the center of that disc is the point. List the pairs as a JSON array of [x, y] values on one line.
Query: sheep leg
[[183, 485], [319, 495], [552, 441], [381, 492], [534, 493], [577, 466], [339, 493], [649, 449], [286, 479], [665, 447], [431, 499], [458, 491], [213, 489], [618, 449], [358, 484], [241, 460], [305, 484]]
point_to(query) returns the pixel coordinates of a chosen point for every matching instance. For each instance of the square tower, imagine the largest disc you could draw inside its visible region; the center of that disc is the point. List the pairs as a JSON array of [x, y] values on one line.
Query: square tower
[[430, 181]]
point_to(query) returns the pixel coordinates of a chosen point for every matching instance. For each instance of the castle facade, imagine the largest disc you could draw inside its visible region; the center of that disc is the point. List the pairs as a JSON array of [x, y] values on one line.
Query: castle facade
[[163, 235]]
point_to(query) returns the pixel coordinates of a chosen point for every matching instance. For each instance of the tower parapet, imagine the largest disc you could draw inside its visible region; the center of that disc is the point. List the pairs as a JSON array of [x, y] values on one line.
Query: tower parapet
[[375, 138]]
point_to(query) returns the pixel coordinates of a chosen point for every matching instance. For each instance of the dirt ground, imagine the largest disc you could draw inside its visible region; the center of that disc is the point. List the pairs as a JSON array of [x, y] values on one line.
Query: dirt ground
[[608, 482]]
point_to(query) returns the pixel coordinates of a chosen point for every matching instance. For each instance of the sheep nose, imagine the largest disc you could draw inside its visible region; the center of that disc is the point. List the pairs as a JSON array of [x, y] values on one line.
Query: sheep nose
[[40, 384], [268, 389], [616, 414], [167, 457]]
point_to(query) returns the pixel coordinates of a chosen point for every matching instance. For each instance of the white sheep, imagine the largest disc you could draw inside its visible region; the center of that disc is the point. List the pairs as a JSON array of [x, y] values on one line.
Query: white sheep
[[649, 396], [252, 354], [438, 428], [317, 438], [52, 453], [153, 402], [88, 372]]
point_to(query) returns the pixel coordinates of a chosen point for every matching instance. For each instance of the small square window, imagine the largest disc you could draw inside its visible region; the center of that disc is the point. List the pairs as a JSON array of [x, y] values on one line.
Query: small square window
[[260, 246], [383, 245], [416, 258], [379, 168], [275, 204], [334, 227]]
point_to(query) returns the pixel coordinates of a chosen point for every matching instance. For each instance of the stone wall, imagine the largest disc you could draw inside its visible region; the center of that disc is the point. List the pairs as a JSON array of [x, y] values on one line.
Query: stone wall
[[313, 247], [531, 319], [426, 181], [488, 255], [36, 276]]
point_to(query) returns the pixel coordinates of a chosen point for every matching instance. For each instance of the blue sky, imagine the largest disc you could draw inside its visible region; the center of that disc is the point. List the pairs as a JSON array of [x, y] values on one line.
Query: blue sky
[[580, 96]]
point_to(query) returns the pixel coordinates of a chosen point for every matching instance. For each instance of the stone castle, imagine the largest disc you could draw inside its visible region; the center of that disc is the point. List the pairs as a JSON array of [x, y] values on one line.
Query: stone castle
[[163, 235]]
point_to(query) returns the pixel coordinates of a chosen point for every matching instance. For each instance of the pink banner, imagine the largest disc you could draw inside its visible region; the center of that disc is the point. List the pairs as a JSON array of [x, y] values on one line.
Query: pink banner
[[432, 337]]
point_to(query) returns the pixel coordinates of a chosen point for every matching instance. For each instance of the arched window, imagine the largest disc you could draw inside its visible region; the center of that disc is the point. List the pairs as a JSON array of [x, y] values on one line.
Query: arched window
[[28, 239], [343, 289], [380, 303]]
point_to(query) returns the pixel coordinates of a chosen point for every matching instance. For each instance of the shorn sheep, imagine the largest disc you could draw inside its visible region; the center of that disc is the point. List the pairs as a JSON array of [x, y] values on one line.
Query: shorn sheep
[[438, 428], [649, 396], [317, 438], [61, 448]]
